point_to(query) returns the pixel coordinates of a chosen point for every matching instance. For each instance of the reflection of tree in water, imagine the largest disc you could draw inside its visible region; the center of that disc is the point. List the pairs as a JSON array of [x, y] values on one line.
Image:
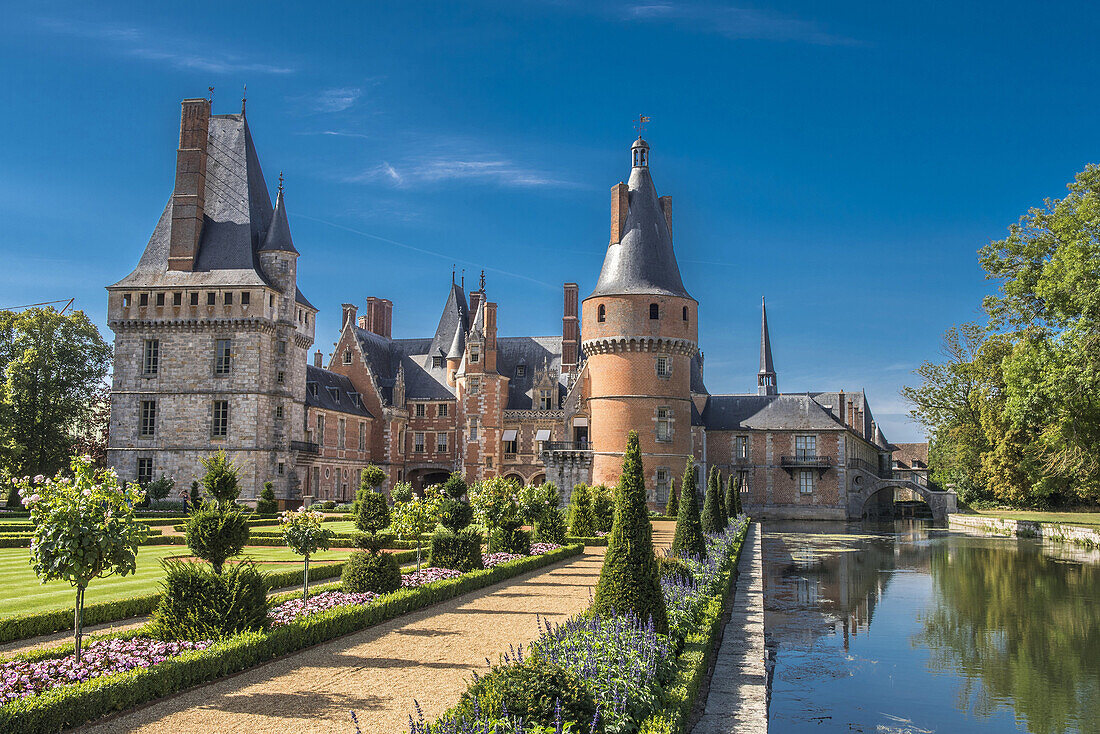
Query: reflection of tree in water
[[1019, 628]]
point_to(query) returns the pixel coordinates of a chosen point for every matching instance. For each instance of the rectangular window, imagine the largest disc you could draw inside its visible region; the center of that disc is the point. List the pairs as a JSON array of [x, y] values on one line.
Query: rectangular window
[[521, 370], [220, 427], [341, 432], [806, 482], [280, 377], [279, 412], [246, 298], [280, 346], [271, 301], [127, 301], [510, 447], [443, 410], [321, 428], [741, 447], [160, 299], [743, 484], [150, 363], [177, 298], [475, 353], [195, 298], [143, 299], [228, 299], [222, 356], [546, 402], [362, 436], [210, 298], [441, 443], [473, 429], [144, 471], [418, 443], [421, 410], [437, 362], [282, 468], [805, 447], [347, 356], [663, 477], [664, 424], [664, 365], [473, 385], [148, 418]]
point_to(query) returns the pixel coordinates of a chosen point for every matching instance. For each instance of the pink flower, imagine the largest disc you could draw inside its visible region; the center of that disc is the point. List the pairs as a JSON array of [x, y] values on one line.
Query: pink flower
[[38, 479]]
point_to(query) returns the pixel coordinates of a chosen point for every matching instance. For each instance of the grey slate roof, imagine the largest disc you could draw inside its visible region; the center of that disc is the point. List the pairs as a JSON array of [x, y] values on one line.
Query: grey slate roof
[[767, 412], [643, 262], [387, 356], [697, 385], [766, 366], [278, 233], [238, 214], [531, 351], [455, 317], [326, 382]]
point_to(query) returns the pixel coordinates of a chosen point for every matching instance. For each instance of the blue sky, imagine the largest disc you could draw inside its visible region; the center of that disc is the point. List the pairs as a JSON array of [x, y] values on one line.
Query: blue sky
[[846, 160]]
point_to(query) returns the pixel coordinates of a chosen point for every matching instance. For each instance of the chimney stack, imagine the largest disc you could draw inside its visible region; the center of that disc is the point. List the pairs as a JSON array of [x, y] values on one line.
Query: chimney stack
[[317, 357], [379, 318], [189, 196], [475, 302], [350, 311], [666, 208], [570, 330], [620, 204], [490, 337]]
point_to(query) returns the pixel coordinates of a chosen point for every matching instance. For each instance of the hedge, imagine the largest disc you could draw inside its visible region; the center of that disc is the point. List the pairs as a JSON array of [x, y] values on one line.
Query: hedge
[[597, 541], [23, 540], [73, 705], [696, 657]]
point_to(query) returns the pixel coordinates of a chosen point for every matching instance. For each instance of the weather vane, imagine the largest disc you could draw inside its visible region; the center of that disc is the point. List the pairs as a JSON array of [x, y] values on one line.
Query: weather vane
[[280, 182], [640, 124], [211, 90]]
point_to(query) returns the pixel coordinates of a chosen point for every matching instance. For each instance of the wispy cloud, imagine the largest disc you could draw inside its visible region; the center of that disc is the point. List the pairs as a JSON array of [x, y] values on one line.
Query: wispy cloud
[[138, 43], [337, 99], [426, 170], [735, 23]]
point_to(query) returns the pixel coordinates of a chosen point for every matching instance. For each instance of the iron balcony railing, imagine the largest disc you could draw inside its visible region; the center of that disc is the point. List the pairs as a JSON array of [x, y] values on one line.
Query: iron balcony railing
[[805, 460], [870, 468], [741, 460], [306, 447], [565, 446]]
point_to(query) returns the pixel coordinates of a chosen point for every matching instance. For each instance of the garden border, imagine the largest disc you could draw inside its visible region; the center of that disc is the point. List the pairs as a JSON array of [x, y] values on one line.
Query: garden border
[[80, 703]]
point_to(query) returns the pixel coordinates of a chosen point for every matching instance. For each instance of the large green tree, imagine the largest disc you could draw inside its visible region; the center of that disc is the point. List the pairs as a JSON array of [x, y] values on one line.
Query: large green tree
[[52, 368]]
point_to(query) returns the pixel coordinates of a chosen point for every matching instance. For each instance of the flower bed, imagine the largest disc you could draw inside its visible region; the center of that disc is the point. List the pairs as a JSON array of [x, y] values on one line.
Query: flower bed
[[495, 559], [537, 549], [294, 609], [22, 678], [427, 576]]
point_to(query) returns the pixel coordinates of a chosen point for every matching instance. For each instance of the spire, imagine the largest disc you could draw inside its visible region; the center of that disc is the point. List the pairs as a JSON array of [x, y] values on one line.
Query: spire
[[278, 234], [481, 283], [765, 379], [640, 259], [244, 98]]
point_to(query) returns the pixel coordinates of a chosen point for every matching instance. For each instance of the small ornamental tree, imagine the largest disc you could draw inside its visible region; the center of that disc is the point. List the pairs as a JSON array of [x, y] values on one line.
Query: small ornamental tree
[[712, 505], [688, 539], [414, 517], [372, 511], [455, 486], [673, 505], [267, 505], [733, 497], [581, 523], [738, 509], [535, 500], [603, 507], [495, 502], [215, 533], [305, 534], [84, 529], [372, 478], [159, 489], [629, 580], [220, 480], [196, 495]]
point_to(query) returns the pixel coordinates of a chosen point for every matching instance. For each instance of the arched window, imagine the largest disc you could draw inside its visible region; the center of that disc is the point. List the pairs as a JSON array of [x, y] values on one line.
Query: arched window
[[654, 311], [601, 313], [685, 313]]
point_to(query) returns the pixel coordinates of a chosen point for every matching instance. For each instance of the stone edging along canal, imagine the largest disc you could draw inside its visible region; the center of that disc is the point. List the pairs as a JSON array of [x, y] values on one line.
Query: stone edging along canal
[[1088, 537]]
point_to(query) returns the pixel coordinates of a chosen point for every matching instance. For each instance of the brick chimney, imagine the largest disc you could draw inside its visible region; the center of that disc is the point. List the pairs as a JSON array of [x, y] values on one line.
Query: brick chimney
[[490, 337], [317, 357], [475, 302], [666, 208], [189, 196], [570, 330], [620, 204], [350, 311], [379, 318]]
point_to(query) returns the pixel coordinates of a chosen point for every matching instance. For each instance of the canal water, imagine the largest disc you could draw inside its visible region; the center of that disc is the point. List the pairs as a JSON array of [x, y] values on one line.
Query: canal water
[[902, 628]]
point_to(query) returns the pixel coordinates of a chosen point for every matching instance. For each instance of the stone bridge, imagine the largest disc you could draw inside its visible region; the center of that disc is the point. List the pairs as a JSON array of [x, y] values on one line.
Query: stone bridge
[[867, 485]]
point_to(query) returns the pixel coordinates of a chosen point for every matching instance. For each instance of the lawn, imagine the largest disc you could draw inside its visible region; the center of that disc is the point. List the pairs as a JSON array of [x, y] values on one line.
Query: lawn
[[22, 592], [1067, 518]]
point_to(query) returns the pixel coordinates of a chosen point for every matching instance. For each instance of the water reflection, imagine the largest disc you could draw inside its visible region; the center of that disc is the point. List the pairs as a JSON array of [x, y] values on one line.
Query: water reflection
[[904, 628]]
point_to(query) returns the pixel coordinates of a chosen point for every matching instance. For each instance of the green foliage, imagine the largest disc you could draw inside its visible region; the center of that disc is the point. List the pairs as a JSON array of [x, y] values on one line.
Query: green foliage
[[603, 507], [304, 533], [52, 368], [217, 532], [672, 508], [535, 500], [495, 502], [372, 512], [372, 478], [531, 690], [673, 567], [628, 580], [198, 604], [84, 528], [712, 518], [267, 505], [455, 487], [196, 497], [460, 550], [371, 571], [416, 516], [220, 479], [512, 538], [733, 496], [158, 489], [551, 528], [401, 492], [581, 522], [455, 514], [689, 527]]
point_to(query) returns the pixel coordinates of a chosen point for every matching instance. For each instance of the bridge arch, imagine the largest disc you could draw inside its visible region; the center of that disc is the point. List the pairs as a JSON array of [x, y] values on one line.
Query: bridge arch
[[942, 503]]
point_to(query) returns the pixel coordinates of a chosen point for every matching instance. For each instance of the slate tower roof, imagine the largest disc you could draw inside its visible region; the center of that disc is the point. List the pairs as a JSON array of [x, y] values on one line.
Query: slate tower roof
[[765, 378], [642, 261]]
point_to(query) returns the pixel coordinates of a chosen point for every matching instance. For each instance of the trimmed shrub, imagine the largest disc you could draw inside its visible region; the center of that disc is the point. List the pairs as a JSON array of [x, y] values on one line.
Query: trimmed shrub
[[196, 496], [372, 512], [401, 492], [673, 567], [220, 480], [672, 508], [267, 505], [551, 527], [628, 580], [216, 532], [531, 690], [371, 571], [455, 486], [603, 508], [513, 538], [712, 502], [733, 497], [689, 528], [460, 550], [581, 522], [198, 604], [454, 513]]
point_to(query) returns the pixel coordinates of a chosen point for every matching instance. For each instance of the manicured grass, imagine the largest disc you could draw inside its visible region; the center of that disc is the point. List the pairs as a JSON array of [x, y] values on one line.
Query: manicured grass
[[22, 591], [1068, 518], [341, 526]]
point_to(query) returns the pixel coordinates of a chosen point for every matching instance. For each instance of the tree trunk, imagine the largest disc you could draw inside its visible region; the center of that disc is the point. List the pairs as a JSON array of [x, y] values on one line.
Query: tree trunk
[[305, 581], [418, 552], [78, 620]]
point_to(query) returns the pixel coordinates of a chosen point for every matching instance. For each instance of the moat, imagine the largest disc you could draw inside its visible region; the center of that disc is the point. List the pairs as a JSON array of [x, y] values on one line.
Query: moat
[[904, 628]]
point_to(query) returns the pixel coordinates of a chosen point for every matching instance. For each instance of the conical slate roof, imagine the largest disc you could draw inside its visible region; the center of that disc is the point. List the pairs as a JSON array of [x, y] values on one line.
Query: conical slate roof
[[766, 366], [643, 262], [278, 234]]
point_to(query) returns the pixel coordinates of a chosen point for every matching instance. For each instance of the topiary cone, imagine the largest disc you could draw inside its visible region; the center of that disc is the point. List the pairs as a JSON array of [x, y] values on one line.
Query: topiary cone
[[689, 530], [712, 506]]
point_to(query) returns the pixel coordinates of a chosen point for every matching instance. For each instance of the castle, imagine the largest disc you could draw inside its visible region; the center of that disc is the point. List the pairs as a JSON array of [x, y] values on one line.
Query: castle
[[212, 337]]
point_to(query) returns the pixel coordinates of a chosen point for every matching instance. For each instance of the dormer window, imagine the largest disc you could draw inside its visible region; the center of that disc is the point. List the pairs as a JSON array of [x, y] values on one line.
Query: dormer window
[[654, 311], [334, 393], [601, 313], [521, 370], [546, 400], [437, 362], [312, 387]]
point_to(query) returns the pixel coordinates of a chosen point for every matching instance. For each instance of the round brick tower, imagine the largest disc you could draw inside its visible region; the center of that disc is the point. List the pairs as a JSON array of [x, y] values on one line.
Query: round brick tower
[[640, 331]]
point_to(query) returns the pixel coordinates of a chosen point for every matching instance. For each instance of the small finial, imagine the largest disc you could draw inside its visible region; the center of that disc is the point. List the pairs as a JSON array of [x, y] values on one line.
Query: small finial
[[244, 98], [211, 90], [463, 281], [481, 284], [280, 182], [452, 273]]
